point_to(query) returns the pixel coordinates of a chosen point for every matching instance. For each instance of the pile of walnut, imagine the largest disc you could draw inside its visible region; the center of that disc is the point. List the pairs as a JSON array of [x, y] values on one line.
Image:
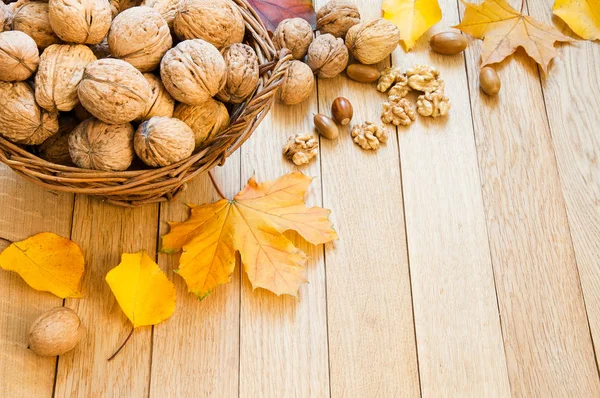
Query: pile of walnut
[[426, 79], [97, 83]]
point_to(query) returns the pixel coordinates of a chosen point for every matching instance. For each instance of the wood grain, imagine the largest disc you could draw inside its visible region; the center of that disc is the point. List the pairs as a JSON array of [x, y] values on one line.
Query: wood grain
[[284, 340], [26, 210], [371, 335], [546, 335], [104, 232], [458, 331], [572, 103], [196, 353]]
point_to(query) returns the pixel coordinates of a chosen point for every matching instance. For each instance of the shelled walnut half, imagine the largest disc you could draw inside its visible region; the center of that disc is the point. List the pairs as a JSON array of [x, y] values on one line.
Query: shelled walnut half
[[301, 148], [433, 104], [369, 135], [398, 111]]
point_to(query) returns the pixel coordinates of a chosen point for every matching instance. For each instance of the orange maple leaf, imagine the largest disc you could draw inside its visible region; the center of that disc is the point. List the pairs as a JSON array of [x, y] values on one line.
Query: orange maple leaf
[[253, 224], [504, 29]]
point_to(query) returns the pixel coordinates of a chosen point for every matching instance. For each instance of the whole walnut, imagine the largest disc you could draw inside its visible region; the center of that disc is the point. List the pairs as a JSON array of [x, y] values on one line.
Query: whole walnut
[[166, 8], [118, 6], [337, 17], [219, 22], [161, 103], [327, 56], [162, 141], [21, 118], [141, 37], [295, 34], [372, 42], [80, 21], [19, 56], [99, 146], [60, 71], [206, 121], [298, 83], [242, 73], [113, 91], [6, 17], [193, 71], [32, 18], [56, 148]]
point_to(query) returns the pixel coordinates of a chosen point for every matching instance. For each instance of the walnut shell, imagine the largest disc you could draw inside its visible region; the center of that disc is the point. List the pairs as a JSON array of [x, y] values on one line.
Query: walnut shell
[[113, 91], [166, 8], [372, 42], [32, 18], [337, 17], [19, 56], [6, 17], [118, 6], [21, 118], [56, 332], [242, 73], [206, 121], [327, 56], [219, 22], [193, 71], [141, 37], [99, 146], [162, 141], [161, 103], [298, 84], [80, 21], [56, 148], [295, 34], [101, 49], [60, 71]]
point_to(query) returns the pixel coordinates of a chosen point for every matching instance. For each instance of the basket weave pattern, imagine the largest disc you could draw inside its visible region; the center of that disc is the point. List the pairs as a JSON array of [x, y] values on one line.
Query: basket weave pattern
[[139, 187]]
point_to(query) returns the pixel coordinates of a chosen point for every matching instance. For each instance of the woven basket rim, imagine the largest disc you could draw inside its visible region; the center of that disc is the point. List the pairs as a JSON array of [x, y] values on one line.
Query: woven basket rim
[[137, 187]]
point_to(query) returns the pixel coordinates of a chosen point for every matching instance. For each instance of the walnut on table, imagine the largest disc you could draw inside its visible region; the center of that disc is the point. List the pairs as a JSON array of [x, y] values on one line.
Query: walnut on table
[[301, 148], [433, 104], [423, 78], [369, 135], [398, 111]]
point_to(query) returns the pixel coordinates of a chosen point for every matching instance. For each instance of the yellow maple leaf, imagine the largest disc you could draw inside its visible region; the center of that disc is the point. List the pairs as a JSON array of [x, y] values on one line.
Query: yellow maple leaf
[[582, 16], [143, 291], [252, 223], [504, 29], [412, 17], [47, 262]]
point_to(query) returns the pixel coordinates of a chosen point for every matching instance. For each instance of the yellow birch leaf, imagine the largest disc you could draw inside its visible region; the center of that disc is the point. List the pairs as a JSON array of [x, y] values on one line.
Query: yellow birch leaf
[[143, 291], [47, 262], [504, 29], [253, 224], [582, 16], [412, 17]]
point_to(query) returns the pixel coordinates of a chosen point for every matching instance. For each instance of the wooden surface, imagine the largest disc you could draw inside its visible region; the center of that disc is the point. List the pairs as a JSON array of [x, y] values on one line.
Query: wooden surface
[[468, 263]]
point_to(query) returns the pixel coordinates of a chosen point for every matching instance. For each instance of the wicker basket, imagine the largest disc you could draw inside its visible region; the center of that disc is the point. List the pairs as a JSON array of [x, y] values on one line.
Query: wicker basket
[[139, 187]]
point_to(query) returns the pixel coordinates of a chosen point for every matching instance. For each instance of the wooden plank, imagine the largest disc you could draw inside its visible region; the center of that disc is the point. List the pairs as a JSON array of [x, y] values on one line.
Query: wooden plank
[[284, 340], [196, 353], [546, 334], [459, 338], [572, 103], [105, 232], [25, 211], [371, 332]]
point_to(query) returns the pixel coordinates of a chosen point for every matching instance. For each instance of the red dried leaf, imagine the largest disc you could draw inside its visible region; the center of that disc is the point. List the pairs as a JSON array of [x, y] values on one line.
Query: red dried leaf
[[274, 11]]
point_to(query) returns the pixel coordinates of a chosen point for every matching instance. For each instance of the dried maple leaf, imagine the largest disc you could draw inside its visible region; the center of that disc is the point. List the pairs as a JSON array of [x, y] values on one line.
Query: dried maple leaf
[[582, 16], [253, 224], [143, 291], [274, 11], [504, 29], [47, 262], [412, 17]]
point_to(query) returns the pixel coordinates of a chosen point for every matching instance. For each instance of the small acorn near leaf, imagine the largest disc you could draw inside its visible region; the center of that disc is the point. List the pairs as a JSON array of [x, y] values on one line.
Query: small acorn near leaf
[[55, 332]]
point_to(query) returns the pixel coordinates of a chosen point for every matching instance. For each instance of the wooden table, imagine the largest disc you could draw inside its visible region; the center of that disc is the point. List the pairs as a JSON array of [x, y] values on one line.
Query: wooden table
[[468, 264]]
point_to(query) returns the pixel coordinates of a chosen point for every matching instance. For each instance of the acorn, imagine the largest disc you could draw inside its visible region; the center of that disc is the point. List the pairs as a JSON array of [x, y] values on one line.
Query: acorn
[[448, 43], [363, 73], [489, 81], [55, 332], [342, 111], [326, 127]]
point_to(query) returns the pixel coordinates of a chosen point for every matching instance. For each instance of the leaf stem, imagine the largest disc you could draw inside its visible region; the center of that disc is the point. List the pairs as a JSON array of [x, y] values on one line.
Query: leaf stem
[[122, 345], [217, 188]]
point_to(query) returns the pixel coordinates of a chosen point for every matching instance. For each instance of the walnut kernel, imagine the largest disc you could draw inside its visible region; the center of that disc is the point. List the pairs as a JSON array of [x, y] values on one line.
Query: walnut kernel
[[433, 104], [337, 17], [327, 56], [398, 111], [295, 34], [423, 78], [301, 148], [369, 135]]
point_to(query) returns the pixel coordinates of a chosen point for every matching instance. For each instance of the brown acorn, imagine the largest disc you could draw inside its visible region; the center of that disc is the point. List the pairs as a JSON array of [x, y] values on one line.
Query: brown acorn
[[326, 127], [342, 111]]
